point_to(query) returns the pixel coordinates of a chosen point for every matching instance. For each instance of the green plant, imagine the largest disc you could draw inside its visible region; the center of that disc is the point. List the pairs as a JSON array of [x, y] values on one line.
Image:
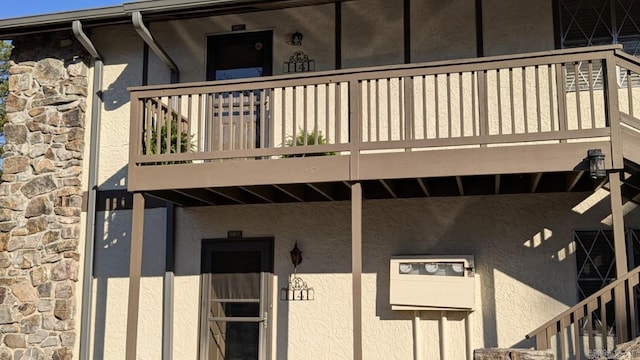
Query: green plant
[[310, 140], [170, 147]]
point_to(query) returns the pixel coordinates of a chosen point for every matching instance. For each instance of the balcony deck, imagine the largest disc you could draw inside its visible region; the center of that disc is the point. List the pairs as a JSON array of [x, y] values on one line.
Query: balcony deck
[[508, 124]]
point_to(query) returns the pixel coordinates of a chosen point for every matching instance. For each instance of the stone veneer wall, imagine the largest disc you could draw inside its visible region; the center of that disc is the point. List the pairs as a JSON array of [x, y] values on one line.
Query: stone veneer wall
[[41, 197]]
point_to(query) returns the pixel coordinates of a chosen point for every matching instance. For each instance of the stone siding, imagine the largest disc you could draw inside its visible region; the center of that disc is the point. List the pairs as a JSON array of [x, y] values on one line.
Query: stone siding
[[41, 198]]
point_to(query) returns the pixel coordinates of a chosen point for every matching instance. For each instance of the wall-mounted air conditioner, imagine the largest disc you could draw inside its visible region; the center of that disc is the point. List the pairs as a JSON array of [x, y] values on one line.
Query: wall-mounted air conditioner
[[432, 283]]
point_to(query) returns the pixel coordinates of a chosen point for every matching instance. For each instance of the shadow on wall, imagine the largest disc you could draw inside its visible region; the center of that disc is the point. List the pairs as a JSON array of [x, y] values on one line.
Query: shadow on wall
[[513, 237], [111, 264], [508, 237], [116, 95]]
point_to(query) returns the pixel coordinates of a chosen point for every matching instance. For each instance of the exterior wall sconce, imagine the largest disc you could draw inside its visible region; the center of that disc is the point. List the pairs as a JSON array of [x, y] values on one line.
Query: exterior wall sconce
[[296, 256], [297, 288], [596, 164], [296, 38]]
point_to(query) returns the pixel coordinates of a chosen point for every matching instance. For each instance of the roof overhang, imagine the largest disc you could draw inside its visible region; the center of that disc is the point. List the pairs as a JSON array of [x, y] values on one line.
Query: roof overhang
[[153, 10]]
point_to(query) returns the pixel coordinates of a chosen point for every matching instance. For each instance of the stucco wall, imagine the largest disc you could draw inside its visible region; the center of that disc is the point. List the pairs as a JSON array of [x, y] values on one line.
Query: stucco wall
[[443, 30], [186, 41], [122, 68], [522, 246], [111, 285], [511, 27]]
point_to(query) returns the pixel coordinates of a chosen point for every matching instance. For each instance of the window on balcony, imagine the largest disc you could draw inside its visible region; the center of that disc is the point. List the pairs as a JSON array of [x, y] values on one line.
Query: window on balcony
[[599, 22]]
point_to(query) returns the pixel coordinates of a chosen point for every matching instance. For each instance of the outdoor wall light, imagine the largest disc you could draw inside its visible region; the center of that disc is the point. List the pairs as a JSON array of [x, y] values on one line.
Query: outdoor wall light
[[596, 164], [297, 288], [296, 38], [296, 255]]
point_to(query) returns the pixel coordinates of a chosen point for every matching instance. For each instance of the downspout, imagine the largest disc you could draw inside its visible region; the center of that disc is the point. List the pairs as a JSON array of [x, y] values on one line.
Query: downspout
[[146, 36], [87, 281], [168, 279]]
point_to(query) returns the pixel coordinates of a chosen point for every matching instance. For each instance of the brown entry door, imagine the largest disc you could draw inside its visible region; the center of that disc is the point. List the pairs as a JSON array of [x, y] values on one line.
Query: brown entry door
[[235, 301], [241, 55], [242, 115]]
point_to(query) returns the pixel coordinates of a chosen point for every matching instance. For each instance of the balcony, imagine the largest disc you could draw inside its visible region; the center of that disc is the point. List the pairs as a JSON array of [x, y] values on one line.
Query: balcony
[[509, 124]]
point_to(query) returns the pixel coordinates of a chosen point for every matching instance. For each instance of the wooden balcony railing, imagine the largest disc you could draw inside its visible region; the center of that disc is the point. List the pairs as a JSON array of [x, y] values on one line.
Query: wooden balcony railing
[[588, 328], [554, 97]]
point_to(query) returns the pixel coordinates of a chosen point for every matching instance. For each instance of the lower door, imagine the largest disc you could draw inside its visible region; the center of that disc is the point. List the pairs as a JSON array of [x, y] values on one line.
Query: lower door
[[235, 303]]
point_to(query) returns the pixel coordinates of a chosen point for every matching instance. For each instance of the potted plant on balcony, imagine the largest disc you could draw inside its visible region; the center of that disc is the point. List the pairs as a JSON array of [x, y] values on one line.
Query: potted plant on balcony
[[310, 140], [167, 148]]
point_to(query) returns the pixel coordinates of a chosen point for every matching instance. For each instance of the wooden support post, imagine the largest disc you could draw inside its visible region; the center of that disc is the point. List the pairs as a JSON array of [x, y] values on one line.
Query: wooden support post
[[135, 271], [620, 247], [356, 267]]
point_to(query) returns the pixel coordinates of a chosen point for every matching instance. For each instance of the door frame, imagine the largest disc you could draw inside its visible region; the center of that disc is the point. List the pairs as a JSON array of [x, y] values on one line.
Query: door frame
[[263, 244]]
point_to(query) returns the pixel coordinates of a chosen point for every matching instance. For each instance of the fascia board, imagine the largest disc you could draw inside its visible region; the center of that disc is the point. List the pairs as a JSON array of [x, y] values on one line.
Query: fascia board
[[164, 5], [62, 17]]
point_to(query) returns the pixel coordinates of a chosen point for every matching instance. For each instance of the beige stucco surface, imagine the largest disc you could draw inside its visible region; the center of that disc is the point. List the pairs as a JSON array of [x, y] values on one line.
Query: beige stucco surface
[[111, 285], [122, 68], [519, 26], [522, 246]]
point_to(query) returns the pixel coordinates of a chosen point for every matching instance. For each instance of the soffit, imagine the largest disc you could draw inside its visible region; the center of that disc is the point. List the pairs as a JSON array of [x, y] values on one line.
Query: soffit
[[152, 10]]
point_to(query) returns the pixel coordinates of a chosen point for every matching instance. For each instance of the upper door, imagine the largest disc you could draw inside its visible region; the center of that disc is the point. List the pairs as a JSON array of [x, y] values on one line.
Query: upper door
[[240, 55]]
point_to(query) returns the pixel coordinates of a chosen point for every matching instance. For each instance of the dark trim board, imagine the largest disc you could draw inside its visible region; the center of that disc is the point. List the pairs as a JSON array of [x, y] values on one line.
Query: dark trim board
[[109, 200]]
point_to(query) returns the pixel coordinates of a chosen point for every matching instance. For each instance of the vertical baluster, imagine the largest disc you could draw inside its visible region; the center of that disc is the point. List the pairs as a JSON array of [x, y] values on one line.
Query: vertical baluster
[[207, 137], [563, 339], [604, 299], [294, 113], [561, 92], [284, 117], [633, 281], [483, 103], [377, 107], [449, 117], [305, 128], [169, 122], [538, 106], [264, 99], [369, 108], [437, 109], [159, 121], [591, 95], [424, 107], [220, 128], [408, 108], [474, 117], [524, 98], [241, 143], [316, 113], [551, 330], [591, 309], [402, 117], [551, 107], [461, 96], [629, 92], [512, 102], [200, 145], [189, 121], [388, 109], [327, 112], [338, 119], [577, 315], [231, 130], [541, 340], [148, 125], [499, 101], [576, 71], [251, 135], [179, 128]]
